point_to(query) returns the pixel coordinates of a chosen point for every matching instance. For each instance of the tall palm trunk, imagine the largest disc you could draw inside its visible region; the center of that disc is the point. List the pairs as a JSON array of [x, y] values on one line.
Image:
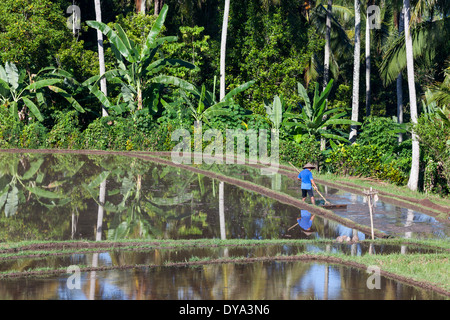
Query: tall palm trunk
[[401, 28], [223, 46], [101, 55], [326, 62], [356, 71], [158, 5], [414, 174], [368, 65], [140, 6]]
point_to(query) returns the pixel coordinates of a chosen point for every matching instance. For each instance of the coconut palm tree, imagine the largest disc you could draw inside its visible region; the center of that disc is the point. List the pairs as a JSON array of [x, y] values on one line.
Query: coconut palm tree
[[399, 81], [140, 6], [368, 63], [326, 59], [329, 20], [101, 55], [223, 46], [356, 71], [414, 174], [159, 4]]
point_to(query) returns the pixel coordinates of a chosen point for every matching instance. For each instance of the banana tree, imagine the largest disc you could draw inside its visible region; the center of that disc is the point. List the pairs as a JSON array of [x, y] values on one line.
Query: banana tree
[[18, 93], [314, 118], [207, 105], [275, 111], [137, 64]]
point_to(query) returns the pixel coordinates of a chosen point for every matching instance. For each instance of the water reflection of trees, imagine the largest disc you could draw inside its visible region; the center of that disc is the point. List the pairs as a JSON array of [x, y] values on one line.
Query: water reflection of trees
[[248, 281], [56, 196], [32, 190]]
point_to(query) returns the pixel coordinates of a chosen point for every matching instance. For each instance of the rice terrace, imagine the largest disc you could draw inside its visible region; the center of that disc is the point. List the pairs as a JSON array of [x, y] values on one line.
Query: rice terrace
[[222, 151]]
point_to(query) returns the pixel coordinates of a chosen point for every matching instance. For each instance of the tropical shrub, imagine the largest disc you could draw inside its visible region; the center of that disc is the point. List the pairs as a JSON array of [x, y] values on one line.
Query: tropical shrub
[[366, 161], [434, 135], [107, 133], [66, 132], [33, 136], [382, 132], [308, 150], [10, 128]]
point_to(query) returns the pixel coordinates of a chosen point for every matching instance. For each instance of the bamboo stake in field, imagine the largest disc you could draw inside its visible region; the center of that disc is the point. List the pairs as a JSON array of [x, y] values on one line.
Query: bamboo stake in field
[[369, 194]]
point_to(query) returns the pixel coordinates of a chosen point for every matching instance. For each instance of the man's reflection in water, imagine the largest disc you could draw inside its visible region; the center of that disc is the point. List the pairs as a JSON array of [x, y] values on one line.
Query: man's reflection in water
[[306, 220]]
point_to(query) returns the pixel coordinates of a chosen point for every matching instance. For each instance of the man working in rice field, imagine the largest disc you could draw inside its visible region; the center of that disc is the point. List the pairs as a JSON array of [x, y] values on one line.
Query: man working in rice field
[[307, 181]]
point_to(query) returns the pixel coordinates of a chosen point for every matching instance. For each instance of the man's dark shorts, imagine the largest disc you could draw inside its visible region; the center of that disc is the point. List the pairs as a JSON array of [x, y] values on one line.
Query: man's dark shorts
[[306, 192]]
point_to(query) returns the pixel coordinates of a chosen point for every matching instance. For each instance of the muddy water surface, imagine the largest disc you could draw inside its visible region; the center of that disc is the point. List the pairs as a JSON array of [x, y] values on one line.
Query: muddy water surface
[[253, 281], [59, 197]]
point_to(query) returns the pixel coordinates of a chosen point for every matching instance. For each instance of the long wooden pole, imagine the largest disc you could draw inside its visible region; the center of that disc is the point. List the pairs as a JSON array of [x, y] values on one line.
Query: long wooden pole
[[292, 226]]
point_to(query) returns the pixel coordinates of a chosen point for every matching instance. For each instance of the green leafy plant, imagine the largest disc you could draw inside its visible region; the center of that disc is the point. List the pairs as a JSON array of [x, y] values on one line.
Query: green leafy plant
[[20, 183], [315, 120], [19, 91], [382, 132], [207, 105], [137, 64], [66, 132], [364, 160]]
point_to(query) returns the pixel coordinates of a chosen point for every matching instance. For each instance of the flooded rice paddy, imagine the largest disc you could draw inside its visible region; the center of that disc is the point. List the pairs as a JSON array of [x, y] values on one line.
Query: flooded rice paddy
[[229, 281], [93, 197]]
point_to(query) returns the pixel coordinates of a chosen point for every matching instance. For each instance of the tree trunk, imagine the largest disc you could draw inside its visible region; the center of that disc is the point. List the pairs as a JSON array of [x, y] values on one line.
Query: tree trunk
[[413, 181], [140, 6], [326, 60], [223, 234], [368, 66], [158, 5], [139, 97], [101, 55], [401, 28], [101, 200], [356, 71], [223, 46]]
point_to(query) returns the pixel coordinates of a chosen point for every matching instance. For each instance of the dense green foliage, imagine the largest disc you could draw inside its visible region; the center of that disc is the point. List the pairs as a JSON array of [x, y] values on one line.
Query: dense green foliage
[[162, 74]]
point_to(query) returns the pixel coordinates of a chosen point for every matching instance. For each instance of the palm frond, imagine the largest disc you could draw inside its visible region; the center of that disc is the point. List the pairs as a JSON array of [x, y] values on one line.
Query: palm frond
[[426, 38]]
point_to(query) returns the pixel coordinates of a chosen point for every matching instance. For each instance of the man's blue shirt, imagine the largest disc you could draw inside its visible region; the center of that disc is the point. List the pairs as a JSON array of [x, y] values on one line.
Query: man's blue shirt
[[306, 176]]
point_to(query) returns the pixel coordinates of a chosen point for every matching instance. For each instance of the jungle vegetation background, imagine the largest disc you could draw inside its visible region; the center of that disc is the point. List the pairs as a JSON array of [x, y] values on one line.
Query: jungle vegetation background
[[276, 62]]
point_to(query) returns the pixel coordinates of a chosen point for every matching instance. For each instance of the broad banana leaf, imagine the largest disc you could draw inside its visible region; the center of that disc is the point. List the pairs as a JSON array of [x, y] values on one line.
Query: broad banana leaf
[[113, 38], [239, 89], [12, 75], [175, 81], [33, 108], [153, 34], [42, 83]]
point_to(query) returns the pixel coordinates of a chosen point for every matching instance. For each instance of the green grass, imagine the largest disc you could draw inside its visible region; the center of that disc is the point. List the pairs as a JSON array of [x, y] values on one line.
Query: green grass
[[432, 268]]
